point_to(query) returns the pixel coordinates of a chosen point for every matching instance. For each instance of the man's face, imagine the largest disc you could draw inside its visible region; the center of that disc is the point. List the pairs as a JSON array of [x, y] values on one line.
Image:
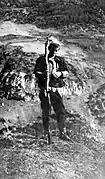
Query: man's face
[[53, 50]]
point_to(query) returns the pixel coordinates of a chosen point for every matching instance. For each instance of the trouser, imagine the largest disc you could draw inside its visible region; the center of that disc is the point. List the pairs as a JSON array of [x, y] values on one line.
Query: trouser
[[58, 106]]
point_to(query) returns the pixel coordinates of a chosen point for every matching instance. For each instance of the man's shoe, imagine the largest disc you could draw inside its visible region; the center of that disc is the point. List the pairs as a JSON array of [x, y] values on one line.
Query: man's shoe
[[46, 138], [65, 136]]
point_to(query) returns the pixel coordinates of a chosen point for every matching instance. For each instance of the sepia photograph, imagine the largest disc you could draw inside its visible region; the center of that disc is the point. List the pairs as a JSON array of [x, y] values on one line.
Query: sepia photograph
[[52, 89]]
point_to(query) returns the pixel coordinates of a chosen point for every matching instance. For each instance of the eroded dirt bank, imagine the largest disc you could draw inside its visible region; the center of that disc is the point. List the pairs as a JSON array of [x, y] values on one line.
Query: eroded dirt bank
[[22, 153]]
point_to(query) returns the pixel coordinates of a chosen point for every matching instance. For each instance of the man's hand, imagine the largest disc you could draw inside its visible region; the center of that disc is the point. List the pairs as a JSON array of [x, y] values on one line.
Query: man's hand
[[56, 74]]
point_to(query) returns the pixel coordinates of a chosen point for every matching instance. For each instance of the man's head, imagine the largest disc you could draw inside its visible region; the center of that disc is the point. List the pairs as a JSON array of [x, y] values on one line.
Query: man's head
[[54, 46]]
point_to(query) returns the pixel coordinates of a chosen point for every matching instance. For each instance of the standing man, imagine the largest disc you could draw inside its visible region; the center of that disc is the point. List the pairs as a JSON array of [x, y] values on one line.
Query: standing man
[[57, 70]]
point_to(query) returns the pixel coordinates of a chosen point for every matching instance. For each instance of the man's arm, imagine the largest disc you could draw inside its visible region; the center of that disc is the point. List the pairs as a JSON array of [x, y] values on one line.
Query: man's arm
[[63, 72], [39, 67]]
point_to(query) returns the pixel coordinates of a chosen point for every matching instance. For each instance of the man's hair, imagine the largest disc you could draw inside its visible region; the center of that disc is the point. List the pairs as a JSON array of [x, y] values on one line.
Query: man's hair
[[54, 43], [53, 46]]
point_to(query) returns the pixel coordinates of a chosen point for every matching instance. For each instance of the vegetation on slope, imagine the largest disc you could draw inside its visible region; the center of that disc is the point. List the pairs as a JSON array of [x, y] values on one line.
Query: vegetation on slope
[[53, 13]]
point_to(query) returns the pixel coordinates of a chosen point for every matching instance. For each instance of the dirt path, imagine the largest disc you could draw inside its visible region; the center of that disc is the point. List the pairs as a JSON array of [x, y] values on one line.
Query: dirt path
[[34, 38]]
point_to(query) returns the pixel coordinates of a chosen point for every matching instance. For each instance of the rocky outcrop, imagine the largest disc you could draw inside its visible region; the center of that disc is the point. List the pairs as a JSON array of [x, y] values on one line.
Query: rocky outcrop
[[22, 85], [17, 80], [18, 86]]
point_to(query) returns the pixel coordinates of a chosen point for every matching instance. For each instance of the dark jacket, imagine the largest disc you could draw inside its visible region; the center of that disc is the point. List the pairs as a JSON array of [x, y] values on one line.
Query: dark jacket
[[42, 77]]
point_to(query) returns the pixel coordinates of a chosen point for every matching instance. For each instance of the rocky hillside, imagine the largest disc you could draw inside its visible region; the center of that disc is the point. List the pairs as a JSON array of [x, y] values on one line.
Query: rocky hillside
[[79, 26], [53, 13], [23, 151], [15, 3]]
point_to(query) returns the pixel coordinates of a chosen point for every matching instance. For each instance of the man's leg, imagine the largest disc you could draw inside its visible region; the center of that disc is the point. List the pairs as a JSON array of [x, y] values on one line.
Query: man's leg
[[45, 112], [57, 103]]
